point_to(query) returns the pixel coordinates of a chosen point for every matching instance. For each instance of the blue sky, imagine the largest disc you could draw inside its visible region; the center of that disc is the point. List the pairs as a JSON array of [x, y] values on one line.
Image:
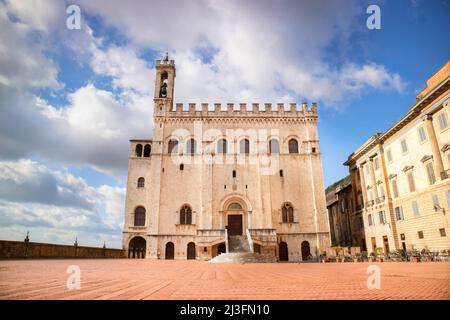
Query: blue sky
[[71, 99]]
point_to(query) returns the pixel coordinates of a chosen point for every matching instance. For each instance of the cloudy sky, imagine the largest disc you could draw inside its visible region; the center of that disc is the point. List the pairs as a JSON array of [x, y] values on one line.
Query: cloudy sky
[[71, 99]]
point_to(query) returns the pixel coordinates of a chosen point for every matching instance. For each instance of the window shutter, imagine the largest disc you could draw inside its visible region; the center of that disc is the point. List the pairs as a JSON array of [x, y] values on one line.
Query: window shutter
[[447, 196]]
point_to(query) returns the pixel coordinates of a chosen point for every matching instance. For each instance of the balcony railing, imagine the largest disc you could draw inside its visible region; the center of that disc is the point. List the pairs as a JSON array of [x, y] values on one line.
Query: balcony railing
[[262, 232], [380, 199], [211, 233]]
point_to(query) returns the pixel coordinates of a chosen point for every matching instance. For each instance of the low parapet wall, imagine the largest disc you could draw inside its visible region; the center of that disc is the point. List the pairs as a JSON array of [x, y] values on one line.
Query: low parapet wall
[[34, 250]]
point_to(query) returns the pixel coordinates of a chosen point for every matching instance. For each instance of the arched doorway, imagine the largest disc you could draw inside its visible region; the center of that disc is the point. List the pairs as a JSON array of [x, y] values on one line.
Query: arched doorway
[[283, 251], [136, 248], [191, 251], [170, 251], [221, 248], [306, 250]]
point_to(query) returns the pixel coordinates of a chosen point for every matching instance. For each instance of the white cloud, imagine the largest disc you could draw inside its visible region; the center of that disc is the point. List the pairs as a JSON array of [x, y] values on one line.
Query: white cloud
[[126, 69], [56, 201], [262, 51], [42, 15], [23, 63]]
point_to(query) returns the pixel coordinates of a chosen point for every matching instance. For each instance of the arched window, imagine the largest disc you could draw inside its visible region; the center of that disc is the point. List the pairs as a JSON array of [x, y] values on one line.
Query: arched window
[[186, 215], [141, 182], [222, 146], [234, 206], [191, 146], [244, 146], [139, 216], [287, 213], [139, 150], [147, 150], [274, 146], [293, 146], [173, 146]]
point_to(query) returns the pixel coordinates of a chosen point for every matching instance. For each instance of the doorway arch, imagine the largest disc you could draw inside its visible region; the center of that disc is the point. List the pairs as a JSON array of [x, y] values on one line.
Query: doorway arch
[[136, 248], [221, 248], [283, 251], [170, 251], [236, 212], [191, 251], [306, 250]]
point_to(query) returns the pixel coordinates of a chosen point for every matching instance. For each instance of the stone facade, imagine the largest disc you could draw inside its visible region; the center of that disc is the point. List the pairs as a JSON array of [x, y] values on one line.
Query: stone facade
[[400, 178], [213, 170], [346, 223]]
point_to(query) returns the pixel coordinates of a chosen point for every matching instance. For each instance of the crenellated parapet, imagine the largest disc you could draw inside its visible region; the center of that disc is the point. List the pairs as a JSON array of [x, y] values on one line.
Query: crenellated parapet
[[240, 110]]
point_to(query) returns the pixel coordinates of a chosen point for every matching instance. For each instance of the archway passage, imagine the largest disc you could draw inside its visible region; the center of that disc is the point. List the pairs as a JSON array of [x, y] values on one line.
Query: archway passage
[[136, 248], [235, 224], [306, 250], [170, 251], [283, 251], [221, 248], [191, 251]]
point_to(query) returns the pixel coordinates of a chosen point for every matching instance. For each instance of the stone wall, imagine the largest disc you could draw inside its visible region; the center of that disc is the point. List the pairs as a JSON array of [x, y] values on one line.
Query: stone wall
[[33, 250]]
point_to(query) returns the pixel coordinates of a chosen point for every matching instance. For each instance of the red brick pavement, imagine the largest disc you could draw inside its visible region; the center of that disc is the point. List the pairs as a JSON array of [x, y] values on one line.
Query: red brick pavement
[[149, 279]]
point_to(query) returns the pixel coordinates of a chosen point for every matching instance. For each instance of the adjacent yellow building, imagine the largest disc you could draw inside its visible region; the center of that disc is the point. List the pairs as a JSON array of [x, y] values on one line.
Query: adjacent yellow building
[[401, 177]]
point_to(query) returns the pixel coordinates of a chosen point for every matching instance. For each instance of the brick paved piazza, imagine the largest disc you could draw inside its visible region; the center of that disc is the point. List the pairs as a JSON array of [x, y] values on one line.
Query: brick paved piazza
[[147, 279]]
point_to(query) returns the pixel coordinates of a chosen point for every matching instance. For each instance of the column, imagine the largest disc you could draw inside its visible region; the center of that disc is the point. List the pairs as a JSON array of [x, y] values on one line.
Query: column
[[438, 165], [363, 184], [374, 179]]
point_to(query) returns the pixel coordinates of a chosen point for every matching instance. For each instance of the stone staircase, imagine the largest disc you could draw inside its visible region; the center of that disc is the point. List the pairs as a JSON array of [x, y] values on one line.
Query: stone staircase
[[238, 244], [240, 253]]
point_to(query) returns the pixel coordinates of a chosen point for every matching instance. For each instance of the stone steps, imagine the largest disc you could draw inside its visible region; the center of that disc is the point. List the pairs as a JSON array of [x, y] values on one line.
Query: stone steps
[[242, 257], [238, 244]]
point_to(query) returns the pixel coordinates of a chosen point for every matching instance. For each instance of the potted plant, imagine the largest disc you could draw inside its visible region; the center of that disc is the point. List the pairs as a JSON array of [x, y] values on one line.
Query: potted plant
[[323, 257], [337, 249], [364, 256], [357, 257], [414, 256], [380, 255]]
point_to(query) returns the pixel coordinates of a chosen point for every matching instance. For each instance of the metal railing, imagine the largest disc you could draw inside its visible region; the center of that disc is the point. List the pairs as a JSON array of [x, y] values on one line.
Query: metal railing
[[226, 241], [250, 240]]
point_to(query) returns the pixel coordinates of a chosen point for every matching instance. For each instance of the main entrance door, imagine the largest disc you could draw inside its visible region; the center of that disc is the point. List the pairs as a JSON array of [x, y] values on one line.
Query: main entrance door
[[235, 224]]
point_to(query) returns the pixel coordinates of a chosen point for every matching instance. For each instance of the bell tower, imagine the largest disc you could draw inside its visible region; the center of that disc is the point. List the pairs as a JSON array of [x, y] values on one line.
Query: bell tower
[[164, 84]]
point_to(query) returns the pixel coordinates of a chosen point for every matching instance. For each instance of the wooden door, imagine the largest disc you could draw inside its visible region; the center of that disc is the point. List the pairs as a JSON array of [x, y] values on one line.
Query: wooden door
[[170, 251], [283, 251], [191, 251], [235, 225], [306, 250]]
